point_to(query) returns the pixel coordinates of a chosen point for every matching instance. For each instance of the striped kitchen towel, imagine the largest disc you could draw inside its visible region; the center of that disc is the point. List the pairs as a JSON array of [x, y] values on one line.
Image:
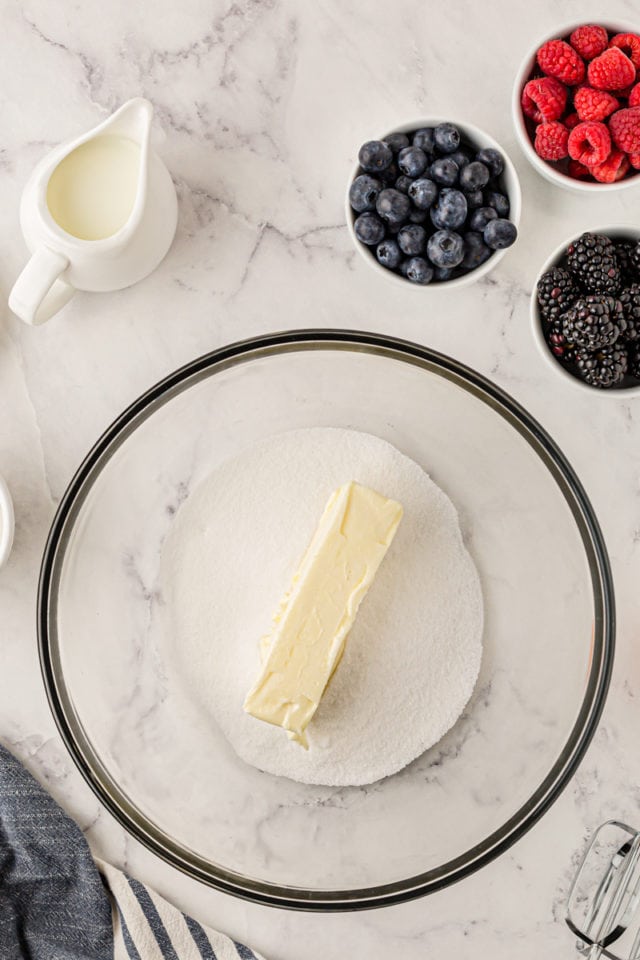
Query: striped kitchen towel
[[146, 927], [57, 904]]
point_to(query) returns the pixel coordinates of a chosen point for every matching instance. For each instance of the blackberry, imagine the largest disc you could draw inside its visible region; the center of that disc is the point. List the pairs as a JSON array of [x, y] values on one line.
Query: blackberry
[[594, 321], [557, 342], [605, 367], [630, 300], [634, 257], [556, 292], [634, 361], [592, 261], [628, 272]]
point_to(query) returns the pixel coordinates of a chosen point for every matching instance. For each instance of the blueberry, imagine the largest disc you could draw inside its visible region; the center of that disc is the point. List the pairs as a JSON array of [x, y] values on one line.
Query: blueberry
[[492, 159], [390, 175], [442, 273], [393, 205], [412, 239], [403, 183], [363, 193], [480, 218], [474, 176], [423, 192], [412, 161], [369, 229], [388, 254], [461, 158], [475, 200], [446, 137], [444, 248], [475, 251], [375, 156], [499, 234], [397, 141], [417, 270], [418, 216], [498, 201], [424, 139], [444, 171], [450, 212]]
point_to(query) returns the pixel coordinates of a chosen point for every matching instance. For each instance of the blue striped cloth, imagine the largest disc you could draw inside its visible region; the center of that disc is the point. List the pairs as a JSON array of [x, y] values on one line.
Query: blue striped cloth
[[57, 903]]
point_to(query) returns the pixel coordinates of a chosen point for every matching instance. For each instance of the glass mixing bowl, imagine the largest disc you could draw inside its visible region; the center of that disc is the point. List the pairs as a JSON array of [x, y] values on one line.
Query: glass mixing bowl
[[164, 770]]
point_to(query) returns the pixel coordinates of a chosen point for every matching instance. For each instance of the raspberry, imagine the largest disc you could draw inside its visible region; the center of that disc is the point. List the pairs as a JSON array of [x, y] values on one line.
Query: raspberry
[[571, 120], [589, 40], [634, 96], [578, 170], [551, 140], [629, 43], [589, 143], [594, 104], [544, 99], [634, 160], [612, 70], [625, 129], [613, 168], [557, 59]]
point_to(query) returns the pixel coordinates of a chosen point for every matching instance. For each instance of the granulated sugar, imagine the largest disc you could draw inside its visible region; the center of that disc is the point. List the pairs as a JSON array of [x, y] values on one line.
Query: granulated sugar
[[413, 655]]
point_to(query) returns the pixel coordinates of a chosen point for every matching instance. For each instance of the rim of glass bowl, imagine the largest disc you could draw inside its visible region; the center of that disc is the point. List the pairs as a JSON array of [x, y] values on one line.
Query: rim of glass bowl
[[224, 879]]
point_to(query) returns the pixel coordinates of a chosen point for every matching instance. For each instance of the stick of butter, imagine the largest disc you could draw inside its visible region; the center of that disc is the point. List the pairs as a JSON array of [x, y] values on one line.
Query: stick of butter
[[311, 626]]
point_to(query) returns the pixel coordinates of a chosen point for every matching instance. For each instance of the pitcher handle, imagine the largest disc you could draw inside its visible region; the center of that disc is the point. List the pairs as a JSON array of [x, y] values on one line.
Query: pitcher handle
[[39, 291]]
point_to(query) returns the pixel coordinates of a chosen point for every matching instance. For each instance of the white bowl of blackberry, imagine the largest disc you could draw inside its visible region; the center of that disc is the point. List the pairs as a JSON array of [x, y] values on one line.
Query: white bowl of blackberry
[[585, 311]]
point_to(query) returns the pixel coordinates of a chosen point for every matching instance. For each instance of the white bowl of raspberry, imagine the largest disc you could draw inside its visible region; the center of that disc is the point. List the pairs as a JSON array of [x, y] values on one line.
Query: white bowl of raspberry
[[461, 203], [576, 106], [585, 311]]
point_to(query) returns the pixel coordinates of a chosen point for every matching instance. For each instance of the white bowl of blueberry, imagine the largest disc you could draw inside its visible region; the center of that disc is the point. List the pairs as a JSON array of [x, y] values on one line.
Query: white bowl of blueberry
[[585, 310], [433, 202]]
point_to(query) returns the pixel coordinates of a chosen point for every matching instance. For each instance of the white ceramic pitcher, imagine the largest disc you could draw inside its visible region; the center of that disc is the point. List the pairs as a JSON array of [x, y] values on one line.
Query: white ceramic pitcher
[[98, 213]]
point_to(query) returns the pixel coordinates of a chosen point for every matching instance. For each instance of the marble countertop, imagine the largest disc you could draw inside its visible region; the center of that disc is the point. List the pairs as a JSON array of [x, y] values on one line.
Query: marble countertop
[[263, 104]]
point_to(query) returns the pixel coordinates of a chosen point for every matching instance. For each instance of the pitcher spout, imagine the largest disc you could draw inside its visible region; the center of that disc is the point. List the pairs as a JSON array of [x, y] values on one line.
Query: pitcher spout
[[95, 188], [131, 120]]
